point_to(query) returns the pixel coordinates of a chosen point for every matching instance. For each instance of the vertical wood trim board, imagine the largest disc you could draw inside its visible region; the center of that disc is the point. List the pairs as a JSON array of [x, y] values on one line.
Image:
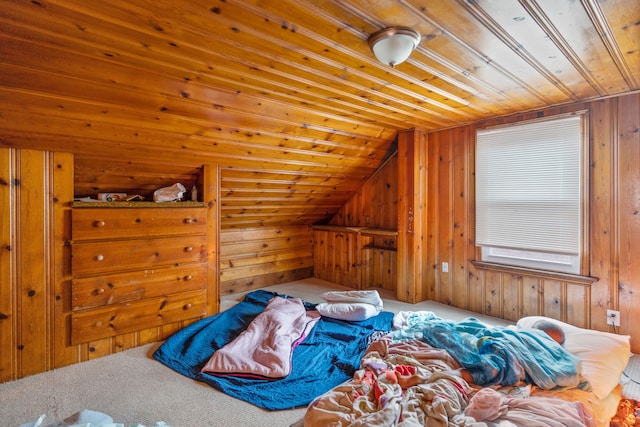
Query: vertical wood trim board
[[628, 286], [61, 168], [602, 226], [33, 246], [8, 321], [409, 283], [211, 196]]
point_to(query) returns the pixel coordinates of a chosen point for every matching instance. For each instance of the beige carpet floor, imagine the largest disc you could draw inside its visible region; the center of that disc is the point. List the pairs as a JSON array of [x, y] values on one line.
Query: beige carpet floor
[[132, 387]]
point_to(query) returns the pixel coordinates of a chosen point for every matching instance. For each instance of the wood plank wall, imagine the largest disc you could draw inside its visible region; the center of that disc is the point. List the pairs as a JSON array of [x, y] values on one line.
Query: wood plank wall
[[36, 188], [379, 262], [447, 222], [342, 255], [29, 320], [375, 204], [628, 177], [337, 256], [357, 257], [614, 184], [255, 257], [32, 188]]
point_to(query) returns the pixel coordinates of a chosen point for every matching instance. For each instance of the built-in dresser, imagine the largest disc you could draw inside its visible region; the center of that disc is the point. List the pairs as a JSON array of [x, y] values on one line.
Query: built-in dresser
[[136, 266]]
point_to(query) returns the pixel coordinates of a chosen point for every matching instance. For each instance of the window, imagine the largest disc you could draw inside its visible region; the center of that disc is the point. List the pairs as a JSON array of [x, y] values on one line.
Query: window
[[529, 189]]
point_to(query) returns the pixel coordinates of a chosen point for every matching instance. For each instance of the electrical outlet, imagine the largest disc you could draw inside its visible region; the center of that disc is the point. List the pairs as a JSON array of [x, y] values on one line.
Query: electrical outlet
[[445, 267], [613, 317]]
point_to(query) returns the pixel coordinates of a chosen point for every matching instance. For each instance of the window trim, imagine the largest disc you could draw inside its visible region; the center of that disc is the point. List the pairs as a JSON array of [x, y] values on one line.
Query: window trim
[[544, 274], [572, 266], [585, 139]]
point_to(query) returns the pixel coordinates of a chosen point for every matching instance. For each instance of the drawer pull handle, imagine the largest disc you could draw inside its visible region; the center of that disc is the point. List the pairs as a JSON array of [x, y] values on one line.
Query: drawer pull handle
[[100, 291], [188, 249], [188, 277], [189, 220], [187, 306], [100, 223], [100, 257]]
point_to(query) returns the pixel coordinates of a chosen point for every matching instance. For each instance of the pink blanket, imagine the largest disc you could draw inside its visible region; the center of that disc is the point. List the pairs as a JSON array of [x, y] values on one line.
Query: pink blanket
[[265, 348]]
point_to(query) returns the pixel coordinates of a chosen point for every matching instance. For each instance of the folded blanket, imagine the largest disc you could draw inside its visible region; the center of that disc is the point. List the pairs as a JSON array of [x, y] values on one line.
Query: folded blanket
[[351, 305], [265, 348]]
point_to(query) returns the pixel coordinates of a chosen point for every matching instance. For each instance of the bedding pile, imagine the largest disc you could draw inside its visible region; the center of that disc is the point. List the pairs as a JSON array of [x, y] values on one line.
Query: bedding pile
[[411, 383], [319, 352], [354, 364], [412, 377]]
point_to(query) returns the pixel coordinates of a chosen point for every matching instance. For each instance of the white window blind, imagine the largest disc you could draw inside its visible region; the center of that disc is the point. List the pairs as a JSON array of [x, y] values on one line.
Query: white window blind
[[528, 186]]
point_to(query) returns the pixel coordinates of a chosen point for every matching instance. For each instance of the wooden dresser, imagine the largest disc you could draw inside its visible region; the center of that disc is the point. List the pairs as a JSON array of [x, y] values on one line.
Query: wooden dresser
[[135, 268]]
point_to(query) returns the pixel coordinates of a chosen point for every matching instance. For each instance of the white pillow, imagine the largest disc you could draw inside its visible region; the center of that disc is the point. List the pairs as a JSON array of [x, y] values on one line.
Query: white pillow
[[370, 297], [603, 355], [354, 312]]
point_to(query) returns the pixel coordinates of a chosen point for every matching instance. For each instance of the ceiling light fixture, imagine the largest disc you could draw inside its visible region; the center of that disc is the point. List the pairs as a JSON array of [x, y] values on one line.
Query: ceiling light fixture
[[393, 45]]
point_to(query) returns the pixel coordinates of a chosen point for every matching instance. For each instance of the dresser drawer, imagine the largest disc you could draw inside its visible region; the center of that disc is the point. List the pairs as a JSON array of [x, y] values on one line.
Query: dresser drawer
[[92, 258], [91, 325], [92, 292], [115, 223]]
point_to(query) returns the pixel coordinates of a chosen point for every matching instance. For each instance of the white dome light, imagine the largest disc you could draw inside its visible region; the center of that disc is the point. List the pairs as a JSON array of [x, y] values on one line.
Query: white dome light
[[393, 45]]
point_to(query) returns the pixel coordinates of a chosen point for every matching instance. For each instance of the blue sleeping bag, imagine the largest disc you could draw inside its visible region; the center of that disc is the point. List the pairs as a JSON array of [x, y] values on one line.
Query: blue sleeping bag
[[327, 357]]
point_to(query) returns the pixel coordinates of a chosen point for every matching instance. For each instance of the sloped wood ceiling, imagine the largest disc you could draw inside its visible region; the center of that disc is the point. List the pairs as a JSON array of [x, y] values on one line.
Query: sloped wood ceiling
[[285, 95]]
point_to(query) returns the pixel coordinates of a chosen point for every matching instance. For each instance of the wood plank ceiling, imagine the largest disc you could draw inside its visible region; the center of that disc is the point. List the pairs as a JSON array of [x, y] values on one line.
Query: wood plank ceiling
[[286, 94]]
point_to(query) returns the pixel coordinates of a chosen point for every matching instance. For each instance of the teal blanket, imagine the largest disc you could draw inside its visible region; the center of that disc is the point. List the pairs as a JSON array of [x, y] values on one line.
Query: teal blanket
[[498, 355]]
